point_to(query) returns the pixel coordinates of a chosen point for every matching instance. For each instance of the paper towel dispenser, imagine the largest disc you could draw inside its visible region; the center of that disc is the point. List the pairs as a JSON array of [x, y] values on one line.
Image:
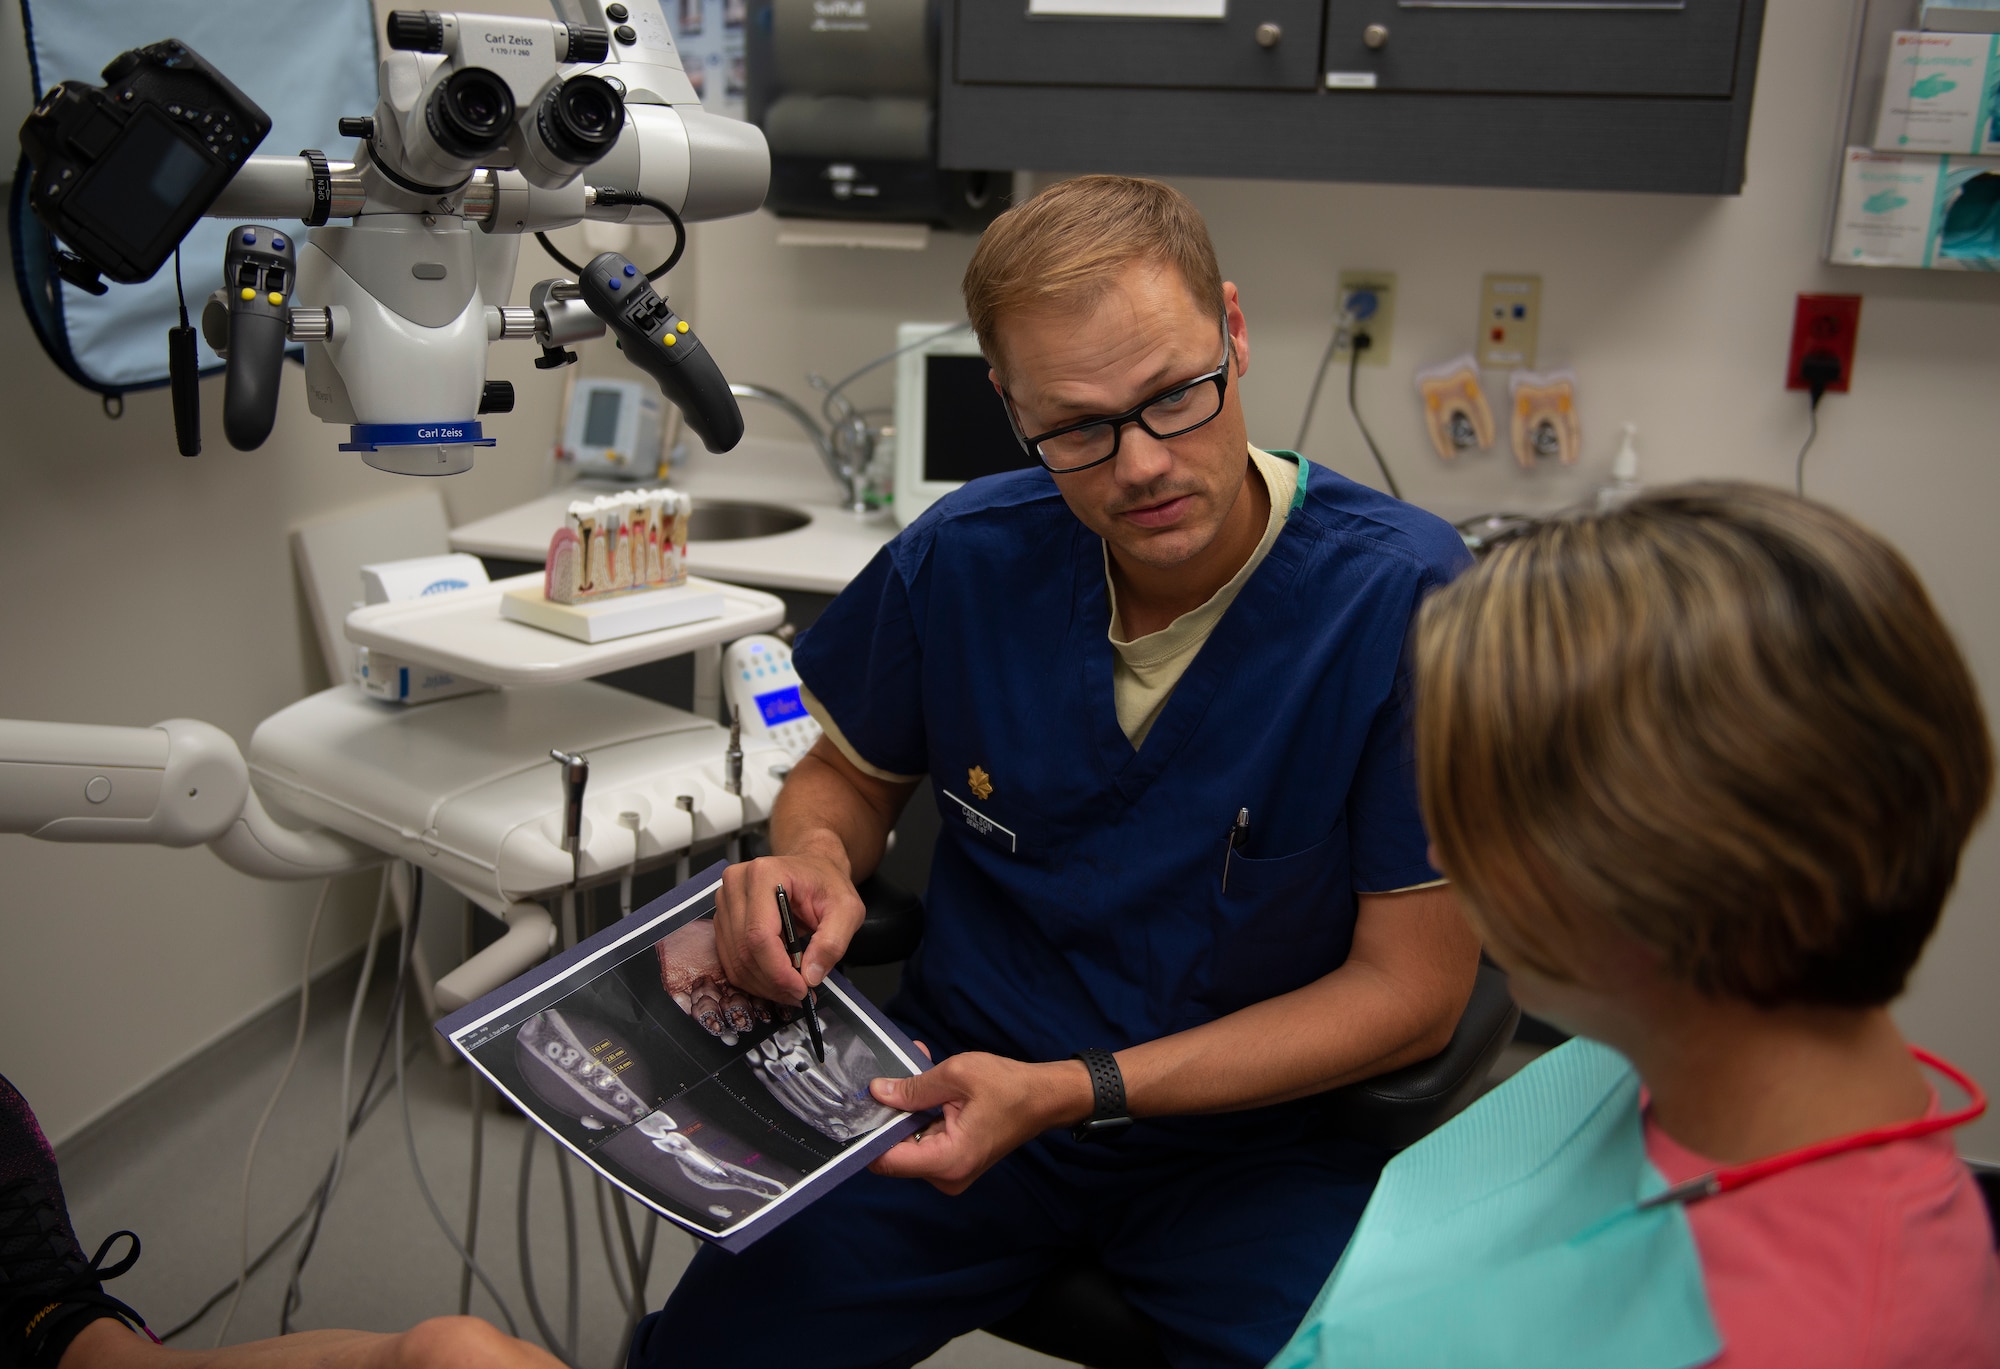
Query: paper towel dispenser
[[846, 93]]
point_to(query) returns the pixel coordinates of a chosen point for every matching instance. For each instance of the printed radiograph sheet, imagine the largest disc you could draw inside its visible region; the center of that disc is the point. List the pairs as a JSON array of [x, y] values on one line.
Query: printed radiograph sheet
[[635, 1053]]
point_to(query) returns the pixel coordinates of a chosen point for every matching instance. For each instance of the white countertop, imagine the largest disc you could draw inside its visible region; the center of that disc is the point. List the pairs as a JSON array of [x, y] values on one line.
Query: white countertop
[[821, 557]]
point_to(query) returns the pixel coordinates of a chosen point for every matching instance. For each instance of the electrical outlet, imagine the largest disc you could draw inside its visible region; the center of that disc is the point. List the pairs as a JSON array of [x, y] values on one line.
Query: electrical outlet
[[1824, 323], [1371, 295], [1510, 322]]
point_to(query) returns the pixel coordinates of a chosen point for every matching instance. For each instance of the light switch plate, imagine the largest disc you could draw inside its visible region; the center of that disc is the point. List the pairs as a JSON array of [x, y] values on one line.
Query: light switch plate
[[1510, 322], [1379, 324]]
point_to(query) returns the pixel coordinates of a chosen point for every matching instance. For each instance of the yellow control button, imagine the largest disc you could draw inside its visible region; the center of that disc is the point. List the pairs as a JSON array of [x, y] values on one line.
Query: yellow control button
[[248, 293], [669, 339], [275, 297], [681, 327]]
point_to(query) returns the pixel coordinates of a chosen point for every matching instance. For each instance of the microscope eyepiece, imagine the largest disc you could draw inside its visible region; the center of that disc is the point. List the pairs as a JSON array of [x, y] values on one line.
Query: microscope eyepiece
[[471, 113], [580, 119], [586, 43], [416, 31]]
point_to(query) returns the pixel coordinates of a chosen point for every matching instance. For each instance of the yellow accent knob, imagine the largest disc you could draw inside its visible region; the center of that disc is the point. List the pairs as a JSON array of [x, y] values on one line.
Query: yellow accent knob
[[248, 293], [681, 327], [275, 297], [669, 339]]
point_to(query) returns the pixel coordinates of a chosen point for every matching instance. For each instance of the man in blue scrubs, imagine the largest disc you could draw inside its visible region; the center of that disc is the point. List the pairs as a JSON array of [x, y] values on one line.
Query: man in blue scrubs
[[1159, 693]]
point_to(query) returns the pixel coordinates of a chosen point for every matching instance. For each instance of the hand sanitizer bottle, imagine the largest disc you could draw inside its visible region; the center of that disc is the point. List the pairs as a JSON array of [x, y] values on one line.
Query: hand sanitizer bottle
[[1624, 481]]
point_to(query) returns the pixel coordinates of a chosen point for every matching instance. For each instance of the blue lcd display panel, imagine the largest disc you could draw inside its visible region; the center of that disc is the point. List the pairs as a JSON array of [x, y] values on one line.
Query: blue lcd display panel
[[780, 706]]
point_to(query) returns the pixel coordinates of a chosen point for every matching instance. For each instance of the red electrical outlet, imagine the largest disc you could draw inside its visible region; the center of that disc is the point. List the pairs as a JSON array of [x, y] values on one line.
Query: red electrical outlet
[[1824, 323]]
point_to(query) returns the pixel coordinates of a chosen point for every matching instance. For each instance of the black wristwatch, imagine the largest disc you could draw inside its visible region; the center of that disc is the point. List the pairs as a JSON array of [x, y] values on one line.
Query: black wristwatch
[[1107, 1087]]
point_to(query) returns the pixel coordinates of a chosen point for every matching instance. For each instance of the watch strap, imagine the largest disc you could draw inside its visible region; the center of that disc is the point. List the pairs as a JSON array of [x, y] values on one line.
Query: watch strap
[[1107, 1089]]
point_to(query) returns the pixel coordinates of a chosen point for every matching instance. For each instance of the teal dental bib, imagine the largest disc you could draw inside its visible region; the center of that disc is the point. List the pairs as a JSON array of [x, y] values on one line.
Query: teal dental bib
[[1509, 1237]]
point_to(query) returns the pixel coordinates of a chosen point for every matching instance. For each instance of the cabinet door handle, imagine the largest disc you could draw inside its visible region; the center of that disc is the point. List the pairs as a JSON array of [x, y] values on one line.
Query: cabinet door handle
[[1375, 36], [1268, 35]]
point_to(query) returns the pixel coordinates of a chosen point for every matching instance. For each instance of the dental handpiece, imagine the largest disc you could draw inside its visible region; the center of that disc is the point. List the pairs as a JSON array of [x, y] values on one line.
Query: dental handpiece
[[659, 342], [575, 777]]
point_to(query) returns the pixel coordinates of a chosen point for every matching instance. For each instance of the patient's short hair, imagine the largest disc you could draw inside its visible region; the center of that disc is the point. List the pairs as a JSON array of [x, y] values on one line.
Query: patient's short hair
[[1064, 247], [1720, 720]]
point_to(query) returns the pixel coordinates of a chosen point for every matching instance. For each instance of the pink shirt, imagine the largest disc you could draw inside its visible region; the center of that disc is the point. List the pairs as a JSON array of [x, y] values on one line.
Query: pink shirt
[[1876, 1259]]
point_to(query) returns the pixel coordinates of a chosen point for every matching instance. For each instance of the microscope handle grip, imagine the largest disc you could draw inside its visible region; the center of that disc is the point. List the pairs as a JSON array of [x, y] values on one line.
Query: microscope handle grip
[[696, 386], [250, 386], [659, 342]]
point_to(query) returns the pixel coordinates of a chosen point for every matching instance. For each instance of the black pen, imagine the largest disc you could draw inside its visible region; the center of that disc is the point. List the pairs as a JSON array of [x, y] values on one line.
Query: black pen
[[795, 946], [1238, 830]]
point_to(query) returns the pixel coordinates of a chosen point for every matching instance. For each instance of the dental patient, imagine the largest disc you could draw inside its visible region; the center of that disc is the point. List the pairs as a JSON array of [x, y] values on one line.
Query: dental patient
[[1700, 769]]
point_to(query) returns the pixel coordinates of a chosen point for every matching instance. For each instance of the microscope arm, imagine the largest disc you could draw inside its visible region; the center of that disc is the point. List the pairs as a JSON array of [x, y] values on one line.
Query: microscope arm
[[177, 783]]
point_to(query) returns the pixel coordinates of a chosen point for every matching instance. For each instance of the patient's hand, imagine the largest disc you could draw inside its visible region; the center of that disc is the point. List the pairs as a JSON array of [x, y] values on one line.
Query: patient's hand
[[691, 971]]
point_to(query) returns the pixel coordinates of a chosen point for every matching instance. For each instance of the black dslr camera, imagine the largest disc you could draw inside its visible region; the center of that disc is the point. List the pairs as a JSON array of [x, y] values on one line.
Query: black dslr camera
[[122, 171]]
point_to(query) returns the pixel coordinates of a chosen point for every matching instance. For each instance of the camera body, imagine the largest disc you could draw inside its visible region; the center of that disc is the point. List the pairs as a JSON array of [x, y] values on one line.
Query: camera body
[[123, 171], [463, 91]]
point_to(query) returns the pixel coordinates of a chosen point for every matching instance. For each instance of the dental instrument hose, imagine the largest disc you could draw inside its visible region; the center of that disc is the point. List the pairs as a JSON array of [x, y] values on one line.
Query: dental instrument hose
[[404, 956], [294, 1293], [372, 1098], [284, 1078]]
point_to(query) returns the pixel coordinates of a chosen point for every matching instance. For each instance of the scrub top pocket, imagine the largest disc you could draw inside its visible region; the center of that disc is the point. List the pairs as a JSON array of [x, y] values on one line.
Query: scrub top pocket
[[1282, 921]]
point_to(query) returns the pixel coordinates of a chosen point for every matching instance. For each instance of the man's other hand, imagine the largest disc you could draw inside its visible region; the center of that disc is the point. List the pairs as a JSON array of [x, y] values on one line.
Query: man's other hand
[[747, 935], [991, 1106]]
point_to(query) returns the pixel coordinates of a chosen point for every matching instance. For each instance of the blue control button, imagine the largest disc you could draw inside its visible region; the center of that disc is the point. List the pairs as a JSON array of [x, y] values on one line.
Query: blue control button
[[249, 237], [615, 282], [630, 269], [278, 244]]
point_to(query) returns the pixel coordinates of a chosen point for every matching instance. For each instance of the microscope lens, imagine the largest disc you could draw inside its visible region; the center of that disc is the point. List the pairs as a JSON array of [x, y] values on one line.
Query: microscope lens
[[581, 118], [471, 112]]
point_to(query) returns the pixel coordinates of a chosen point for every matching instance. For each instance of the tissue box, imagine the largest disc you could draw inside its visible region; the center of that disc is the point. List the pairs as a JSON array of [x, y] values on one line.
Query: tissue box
[[618, 544], [1921, 210], [1939, 95]]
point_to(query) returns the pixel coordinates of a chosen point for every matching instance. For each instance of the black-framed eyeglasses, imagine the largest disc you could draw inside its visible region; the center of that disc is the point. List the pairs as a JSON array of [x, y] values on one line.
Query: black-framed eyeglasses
[[1171, 413]]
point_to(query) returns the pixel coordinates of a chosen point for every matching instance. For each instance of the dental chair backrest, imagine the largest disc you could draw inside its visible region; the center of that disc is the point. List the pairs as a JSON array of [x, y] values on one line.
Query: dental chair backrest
[[331, 550]]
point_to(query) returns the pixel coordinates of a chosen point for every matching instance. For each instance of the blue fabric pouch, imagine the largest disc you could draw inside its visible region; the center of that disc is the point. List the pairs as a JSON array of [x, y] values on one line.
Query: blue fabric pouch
[[306, 62]]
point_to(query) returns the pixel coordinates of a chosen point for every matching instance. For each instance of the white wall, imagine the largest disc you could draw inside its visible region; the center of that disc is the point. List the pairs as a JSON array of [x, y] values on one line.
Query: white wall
[[1675, 313]]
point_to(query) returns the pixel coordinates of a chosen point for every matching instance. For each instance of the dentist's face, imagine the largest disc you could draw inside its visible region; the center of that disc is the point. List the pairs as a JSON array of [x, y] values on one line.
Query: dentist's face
[[1158, 501]]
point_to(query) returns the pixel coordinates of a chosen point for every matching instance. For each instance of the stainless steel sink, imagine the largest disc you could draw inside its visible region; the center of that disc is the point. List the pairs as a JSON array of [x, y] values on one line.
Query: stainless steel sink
[[723, 520]]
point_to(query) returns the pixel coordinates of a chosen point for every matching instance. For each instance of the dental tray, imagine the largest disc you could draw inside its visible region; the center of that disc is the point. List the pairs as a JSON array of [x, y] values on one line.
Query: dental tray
[[463, 632]]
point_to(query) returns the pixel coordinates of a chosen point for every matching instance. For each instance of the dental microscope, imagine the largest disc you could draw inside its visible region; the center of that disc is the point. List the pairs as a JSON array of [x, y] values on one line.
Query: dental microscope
[[487, 127]]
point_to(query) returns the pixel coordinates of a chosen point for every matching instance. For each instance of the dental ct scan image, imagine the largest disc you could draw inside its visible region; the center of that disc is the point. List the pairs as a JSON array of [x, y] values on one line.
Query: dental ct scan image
[[705, 1102]]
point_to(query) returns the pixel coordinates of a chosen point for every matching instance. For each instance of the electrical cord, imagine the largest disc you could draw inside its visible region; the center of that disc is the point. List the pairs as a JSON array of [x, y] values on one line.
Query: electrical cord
[[179, 292], [612, 195], [294, 1292], [404, 956], [1820, 371], [1361, 344], [1343, 329], [284, 1077], [833, 391]]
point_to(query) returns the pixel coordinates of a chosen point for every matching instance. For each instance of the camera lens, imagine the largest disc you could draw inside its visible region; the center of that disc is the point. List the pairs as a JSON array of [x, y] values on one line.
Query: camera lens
[[581, 118], [470, 113]]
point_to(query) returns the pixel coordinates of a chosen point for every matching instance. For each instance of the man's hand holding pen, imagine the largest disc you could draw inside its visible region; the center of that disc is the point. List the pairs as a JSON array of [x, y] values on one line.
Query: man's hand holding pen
[[749, 936]]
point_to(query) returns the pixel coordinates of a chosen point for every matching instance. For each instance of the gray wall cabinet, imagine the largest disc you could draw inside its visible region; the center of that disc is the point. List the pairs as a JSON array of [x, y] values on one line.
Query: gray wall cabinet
[[1614, 96]]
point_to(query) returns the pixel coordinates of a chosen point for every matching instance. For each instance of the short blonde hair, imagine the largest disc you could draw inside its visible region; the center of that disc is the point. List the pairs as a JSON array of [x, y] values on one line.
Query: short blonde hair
[[1722, 721], [1065, 246]]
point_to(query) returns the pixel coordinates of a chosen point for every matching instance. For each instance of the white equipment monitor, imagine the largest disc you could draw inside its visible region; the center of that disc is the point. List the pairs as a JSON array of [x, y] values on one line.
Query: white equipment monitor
[[950, 426], [612, 429]]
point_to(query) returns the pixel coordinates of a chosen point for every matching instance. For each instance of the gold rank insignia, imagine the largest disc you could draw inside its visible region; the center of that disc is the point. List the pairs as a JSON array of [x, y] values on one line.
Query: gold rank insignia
[[981, 783]]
